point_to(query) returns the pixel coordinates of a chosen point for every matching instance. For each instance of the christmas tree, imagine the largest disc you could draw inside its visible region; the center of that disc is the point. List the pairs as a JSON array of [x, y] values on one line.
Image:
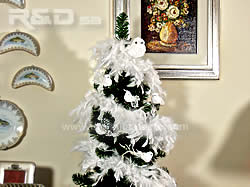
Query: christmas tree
[[126, 136]]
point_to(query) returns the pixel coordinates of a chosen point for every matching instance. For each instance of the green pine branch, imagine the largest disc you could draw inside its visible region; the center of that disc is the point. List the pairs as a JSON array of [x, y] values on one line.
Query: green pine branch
[[122, 27], [83, 180], [108, 180], [101, 153], [121, 142], [117, 89]]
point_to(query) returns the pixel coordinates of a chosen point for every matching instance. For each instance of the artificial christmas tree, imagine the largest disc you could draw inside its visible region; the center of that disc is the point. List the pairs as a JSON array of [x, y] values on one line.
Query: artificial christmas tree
[[126, 134]]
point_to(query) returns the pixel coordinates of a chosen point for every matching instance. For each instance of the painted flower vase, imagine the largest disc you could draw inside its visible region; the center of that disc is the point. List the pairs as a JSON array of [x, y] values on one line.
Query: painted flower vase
[[168, 35]]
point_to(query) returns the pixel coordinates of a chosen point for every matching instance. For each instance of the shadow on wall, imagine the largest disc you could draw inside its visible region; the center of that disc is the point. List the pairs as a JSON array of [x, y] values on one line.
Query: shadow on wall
[[44, 176], [192, 140], [234, 157], [70, 74], [49, 110], [55, 57]]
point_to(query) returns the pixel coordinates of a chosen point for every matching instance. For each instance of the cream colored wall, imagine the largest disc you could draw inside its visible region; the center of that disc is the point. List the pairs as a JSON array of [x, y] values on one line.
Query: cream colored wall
[[212, 152]]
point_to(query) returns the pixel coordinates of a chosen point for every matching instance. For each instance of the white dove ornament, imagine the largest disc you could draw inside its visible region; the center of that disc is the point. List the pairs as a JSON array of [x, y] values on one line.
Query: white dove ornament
[[128, 97], [156, 99], [137, 48], [107, 81], [99, 129], [147, 157]]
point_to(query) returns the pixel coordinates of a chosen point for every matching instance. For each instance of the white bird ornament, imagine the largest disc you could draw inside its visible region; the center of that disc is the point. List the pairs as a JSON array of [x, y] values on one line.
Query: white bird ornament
[[128, 97], [156, 99], [137, 48]]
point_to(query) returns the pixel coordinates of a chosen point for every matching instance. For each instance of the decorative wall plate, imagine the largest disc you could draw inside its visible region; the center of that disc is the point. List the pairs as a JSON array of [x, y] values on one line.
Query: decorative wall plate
[[19, 41], [33, 75], [12, 124], [16, 3]]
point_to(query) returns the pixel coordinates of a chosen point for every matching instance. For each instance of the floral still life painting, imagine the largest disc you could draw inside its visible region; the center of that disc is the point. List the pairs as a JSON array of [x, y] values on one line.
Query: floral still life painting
[[169, 26]]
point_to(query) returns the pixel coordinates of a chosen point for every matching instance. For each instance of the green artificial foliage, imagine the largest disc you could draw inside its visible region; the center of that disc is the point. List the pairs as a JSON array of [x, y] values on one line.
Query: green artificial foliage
[[122, 27], [107, 181], [117, 89], [83, 180], [121, 144], [103, 153]]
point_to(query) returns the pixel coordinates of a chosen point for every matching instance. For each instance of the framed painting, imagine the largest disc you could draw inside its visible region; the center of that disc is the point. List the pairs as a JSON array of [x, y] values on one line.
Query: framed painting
[[16, 172], [182, 36], [169, 26]]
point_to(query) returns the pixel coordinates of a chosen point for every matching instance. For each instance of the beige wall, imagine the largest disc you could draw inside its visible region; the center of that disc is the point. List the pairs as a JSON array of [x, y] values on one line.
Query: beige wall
[[213, 152]]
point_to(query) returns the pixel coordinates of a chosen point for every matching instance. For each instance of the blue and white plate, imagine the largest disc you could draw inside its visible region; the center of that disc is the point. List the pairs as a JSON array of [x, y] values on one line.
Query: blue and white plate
[[33, 75], [17, 3], [12, 124], [19, 41]]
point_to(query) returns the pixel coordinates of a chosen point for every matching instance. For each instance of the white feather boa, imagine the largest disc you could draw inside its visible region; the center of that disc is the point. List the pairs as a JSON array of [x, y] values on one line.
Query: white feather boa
[[110, 54], [140, 176], [160, 131]]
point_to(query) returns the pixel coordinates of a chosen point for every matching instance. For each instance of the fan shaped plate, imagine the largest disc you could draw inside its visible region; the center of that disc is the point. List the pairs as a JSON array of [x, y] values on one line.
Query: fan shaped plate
[[33, 75], [17, 3], [19, 41]]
